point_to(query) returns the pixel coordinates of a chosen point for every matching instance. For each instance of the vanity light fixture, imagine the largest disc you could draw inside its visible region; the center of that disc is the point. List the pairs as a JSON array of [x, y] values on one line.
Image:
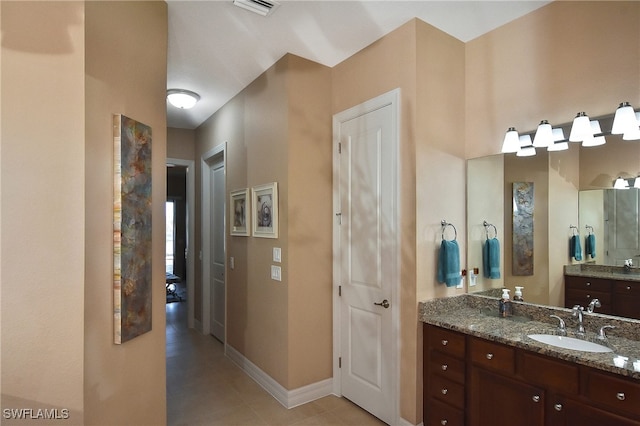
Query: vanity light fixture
[[544, 135], [634, 133], [592, 139], [581, 128], [526, 147], [621, 183], [511, 141], [624, 120], [183, 99], [559, 141], [636, 184]]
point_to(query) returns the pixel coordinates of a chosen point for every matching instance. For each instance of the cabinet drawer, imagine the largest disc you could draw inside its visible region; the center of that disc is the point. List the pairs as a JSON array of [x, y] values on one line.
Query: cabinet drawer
[[447, 366], [446, 391], [439, 414], [582, 297], [447, 341], [627, 288], [587, 283], [493, 356], [621, 395], [549, 373]]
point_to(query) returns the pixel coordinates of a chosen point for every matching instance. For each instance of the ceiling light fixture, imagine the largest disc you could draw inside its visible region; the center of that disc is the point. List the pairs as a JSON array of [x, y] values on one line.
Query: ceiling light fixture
[[183, 99], [261, 7], [624, 120], [544, 135], [581, 128]]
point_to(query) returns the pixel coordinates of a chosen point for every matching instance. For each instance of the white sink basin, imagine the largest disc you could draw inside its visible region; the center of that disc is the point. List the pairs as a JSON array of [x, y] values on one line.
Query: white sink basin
[[570, 343]]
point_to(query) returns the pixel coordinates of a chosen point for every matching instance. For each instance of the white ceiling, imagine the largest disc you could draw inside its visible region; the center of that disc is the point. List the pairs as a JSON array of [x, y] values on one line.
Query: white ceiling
[[216, 49]]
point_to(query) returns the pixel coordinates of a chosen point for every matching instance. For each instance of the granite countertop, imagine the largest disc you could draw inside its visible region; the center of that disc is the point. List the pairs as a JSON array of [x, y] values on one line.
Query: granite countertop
[[603, 271], [477, 315]]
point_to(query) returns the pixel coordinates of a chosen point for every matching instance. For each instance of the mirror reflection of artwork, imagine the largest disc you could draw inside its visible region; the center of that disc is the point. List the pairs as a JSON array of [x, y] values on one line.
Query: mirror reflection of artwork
[[239, 209], [265, 210], [522, 228]]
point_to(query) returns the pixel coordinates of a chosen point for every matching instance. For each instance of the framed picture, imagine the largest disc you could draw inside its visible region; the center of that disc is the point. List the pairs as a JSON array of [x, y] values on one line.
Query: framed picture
[[240, 208], [132, 285], [265, 210]]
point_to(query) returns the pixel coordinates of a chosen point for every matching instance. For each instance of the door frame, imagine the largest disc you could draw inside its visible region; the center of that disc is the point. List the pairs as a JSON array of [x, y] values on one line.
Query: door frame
[[205, 233], [191, 232], [390, 98]]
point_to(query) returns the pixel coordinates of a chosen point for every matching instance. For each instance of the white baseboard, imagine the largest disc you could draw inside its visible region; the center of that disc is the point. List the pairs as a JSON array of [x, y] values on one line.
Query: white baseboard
[[288, 398]]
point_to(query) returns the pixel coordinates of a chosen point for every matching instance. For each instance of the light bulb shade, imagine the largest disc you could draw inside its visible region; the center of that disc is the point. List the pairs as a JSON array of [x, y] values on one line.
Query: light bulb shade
[[558, 146], [526, 147], [633, 134], [624, 120], [183, 99], [636, 184], [580, 128], [621, 184], [592, 140], [511, 141], [544, 135]]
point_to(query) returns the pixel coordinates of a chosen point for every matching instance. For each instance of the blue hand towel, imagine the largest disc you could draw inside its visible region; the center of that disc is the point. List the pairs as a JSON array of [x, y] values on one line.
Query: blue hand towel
[[449, 263], [575, 248], [590, 245], [491, 258]]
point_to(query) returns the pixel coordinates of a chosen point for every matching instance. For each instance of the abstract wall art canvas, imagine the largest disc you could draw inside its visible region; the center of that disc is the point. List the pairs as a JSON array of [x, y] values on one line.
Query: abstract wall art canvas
[[131, 228], [522, 263]]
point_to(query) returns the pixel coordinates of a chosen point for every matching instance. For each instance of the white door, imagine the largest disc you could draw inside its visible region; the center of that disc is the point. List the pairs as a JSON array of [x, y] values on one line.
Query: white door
[[367, 252], [217, 210]]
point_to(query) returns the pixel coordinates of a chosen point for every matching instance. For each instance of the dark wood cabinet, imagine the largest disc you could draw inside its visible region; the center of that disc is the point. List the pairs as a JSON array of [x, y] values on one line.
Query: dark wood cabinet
[[618, 297], [476, 382]]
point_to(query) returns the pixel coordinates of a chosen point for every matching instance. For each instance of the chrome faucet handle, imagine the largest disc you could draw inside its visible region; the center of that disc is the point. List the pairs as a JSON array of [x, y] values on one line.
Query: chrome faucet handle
[[601, 333], [595, 303], [562, 329]]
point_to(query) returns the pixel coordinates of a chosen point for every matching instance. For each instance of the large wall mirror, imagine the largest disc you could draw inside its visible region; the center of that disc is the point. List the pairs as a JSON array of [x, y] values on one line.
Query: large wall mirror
[[571, 188]]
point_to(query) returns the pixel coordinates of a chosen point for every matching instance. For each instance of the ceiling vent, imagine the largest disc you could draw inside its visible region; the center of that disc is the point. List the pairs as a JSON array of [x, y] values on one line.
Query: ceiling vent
[[261, 7]]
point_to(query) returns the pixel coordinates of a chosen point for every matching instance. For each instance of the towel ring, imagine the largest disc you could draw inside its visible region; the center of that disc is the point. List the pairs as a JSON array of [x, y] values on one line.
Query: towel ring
[[574, 229], [444, 224], [589, 229], [488, 225]]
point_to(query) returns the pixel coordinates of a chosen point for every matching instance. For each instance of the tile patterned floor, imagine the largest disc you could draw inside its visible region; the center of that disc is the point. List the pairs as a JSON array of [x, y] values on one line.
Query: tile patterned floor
[[205, 388]]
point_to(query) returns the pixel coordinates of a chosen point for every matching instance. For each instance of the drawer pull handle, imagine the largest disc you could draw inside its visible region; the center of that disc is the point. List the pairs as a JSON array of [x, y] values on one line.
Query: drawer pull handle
[[536, 398], [588, 284], [620, 396], [444, 367], [445, 342], [444, 391], [489, 356], [628, 288], [443, 422], [588, 296], [558, 407]]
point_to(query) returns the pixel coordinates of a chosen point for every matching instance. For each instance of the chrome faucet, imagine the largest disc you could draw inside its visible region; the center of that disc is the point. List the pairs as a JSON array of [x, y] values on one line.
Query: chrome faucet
[[577, 313], [561, 330], [595, 303]]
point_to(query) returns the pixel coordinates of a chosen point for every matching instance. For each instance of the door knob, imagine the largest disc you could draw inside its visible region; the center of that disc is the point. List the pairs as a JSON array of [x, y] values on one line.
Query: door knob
[[384, 303]]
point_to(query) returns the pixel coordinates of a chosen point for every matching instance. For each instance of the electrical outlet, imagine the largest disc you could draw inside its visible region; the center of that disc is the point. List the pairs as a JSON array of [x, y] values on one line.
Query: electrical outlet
[[276, 273], [232, 263]]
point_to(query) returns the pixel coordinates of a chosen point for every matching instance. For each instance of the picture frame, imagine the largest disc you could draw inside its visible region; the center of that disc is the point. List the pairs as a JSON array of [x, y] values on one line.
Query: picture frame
[[264, 202], [240, 208], [132, 236]]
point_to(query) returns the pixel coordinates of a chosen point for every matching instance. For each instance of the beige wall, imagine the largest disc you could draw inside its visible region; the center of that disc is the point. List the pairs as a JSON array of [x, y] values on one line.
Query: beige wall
[[43, 206], [124, 384], [278, 129], [181, 144]]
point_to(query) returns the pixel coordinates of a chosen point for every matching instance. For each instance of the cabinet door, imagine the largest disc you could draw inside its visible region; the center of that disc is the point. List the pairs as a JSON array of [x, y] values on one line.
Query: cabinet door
[[577, 413], [501, 401]]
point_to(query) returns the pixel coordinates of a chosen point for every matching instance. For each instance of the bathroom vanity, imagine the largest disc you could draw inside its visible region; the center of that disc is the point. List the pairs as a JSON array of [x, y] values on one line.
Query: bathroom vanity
[[617, 290], [482, 369]]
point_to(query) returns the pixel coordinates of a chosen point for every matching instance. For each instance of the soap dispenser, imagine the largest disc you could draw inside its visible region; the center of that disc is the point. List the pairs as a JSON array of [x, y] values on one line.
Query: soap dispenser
[[506, 308], [517, 296]]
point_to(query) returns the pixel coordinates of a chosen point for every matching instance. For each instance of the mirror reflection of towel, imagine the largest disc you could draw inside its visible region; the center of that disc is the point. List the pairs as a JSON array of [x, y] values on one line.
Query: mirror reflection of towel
[[590, 246], [491, 258], [449, 263], [575, 249]]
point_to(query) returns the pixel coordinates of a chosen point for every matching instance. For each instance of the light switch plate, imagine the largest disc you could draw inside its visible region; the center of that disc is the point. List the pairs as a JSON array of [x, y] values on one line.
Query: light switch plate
[[232, 263], [276, 273], [277, 254]]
